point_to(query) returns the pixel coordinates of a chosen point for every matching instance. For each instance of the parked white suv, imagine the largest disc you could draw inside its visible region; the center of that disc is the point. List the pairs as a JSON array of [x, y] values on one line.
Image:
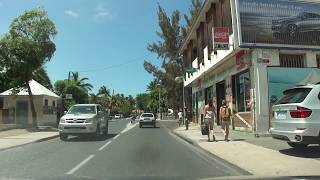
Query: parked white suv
[[297, 116], [84, 119]]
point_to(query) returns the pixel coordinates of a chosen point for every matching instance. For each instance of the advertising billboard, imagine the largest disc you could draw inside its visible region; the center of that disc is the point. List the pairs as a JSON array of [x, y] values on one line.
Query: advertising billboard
[[279, 23]]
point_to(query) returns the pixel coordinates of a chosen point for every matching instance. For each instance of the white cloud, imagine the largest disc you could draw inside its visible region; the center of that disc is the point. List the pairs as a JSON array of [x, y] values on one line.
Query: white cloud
[[102, 12], [71, 13]]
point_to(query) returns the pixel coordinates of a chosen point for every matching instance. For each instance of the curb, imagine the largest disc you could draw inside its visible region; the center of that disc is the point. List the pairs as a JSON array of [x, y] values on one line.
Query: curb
[[188, 140], [47, 138], [36, 141], [237, 169]]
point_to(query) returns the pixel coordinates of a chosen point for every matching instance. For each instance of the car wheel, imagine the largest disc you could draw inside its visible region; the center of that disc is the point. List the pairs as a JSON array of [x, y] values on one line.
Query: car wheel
[[63, 137], [97, 134], [292, 30], [297, 145]]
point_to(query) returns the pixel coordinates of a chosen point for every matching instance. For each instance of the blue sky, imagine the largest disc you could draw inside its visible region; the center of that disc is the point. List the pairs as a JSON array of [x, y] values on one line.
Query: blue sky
[[104, 40]]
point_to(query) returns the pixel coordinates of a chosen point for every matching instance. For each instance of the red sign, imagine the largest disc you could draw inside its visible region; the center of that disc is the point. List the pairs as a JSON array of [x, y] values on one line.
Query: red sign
[[221, 38]]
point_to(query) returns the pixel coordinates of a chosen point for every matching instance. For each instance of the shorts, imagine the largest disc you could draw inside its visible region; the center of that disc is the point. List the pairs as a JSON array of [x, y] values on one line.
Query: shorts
[[225, 123], [208, 122]]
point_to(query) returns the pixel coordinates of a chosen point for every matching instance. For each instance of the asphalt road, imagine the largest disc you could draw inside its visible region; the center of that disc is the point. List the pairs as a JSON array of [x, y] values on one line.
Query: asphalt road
[[128, 152]]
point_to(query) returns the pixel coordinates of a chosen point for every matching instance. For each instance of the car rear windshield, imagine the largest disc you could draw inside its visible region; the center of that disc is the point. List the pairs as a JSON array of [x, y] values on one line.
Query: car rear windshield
[[294, 95], [82, 110], [147, 115]]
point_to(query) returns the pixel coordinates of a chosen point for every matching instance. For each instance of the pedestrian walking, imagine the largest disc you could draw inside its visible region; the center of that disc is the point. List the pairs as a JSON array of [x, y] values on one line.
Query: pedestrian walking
[[180, 117], [225, 119], [209, 116]]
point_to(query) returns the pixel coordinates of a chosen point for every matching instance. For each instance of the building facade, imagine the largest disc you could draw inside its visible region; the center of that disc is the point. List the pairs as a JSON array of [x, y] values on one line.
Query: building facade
[[248, 52], [15, 108]]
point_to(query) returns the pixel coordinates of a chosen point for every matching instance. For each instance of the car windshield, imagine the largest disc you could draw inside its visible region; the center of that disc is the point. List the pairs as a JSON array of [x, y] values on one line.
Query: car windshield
[[147, 115], [82, 110], [296, 95]]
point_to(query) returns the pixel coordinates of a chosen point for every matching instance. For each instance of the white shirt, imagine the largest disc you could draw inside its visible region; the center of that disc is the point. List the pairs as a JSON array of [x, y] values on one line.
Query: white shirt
[[180, 114]]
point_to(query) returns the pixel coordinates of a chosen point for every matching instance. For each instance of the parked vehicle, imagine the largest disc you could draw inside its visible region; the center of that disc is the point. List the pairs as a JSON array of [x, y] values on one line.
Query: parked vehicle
[[118, 116], [297, 116], [291, 26], [84, 119], [147, 119]]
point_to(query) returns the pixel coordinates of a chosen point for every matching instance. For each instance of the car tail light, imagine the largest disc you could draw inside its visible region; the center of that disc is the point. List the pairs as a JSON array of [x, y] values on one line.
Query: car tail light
[[301, 112]]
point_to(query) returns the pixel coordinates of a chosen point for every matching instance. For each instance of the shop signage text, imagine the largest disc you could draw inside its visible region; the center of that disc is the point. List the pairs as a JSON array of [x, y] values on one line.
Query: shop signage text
[[221, 38]]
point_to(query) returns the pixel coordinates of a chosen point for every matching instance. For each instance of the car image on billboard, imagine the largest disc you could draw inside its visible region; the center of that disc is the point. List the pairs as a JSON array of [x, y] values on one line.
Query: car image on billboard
[[279, 23]]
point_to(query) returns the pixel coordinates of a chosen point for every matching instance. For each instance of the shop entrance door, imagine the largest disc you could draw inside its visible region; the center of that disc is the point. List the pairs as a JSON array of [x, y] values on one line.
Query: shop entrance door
[[221, 94]]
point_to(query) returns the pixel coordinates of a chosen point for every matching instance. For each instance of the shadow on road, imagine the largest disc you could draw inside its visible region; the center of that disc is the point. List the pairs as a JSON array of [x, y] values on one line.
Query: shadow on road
[[157, 127], [309, 152], [88, 138]]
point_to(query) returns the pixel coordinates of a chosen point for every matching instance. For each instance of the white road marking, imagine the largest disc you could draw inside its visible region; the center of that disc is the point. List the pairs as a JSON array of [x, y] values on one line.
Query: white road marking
[[73, 170], [129, 126], [116, 136], [102, 147]]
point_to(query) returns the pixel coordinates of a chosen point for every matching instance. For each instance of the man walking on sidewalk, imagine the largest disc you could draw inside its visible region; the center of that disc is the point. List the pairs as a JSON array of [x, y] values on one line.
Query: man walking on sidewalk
[[225, 119]]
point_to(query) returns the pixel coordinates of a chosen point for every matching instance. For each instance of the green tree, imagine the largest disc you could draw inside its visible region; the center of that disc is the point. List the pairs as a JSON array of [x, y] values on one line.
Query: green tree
[[171, 36], [193, 14], [104, 91], [26, 48], [79, 94], [41, 76], [81, 82], [142, 101]]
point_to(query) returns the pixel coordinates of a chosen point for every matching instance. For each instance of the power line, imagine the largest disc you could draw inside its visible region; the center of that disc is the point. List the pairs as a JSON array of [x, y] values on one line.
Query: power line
[[109, 67]]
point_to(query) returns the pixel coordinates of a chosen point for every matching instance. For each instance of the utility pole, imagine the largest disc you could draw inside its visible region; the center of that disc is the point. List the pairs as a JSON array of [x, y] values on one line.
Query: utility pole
[[159, 110]]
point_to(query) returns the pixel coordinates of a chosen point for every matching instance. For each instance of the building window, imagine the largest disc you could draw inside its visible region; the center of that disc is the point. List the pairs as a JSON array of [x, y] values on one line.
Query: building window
[[318, 61], [53, 103], [1, 102], [243, 86], [46, 102], [289, 60]]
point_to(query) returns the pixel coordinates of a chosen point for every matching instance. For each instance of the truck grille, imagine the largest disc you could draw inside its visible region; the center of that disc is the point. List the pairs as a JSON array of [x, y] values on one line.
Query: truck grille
[[75, 120]]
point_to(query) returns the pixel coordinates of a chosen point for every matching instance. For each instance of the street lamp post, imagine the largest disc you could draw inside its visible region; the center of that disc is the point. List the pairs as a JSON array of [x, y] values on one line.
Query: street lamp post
[[159, 110], [188, 70]]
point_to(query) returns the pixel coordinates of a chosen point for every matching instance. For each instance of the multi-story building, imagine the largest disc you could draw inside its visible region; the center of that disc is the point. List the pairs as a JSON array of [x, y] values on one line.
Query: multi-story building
[[248, 52]]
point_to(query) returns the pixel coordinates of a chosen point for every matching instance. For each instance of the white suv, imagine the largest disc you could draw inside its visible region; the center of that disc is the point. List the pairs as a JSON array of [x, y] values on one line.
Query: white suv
[[84, 119], [297, 116], [147, 119]]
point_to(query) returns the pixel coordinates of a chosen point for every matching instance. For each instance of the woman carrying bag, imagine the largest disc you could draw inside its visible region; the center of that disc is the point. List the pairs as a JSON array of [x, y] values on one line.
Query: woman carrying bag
[[209, 115]]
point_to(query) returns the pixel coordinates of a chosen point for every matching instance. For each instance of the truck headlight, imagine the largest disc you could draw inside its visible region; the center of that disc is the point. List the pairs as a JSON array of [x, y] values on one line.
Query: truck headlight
[[89, 120], [62, 120]]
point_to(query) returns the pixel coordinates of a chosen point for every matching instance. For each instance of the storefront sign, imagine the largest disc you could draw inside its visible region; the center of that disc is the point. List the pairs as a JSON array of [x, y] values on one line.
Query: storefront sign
[[282, 24], [220, 38]]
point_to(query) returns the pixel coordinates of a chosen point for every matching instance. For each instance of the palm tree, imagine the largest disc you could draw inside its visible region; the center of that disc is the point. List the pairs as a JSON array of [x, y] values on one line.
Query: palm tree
[[104, 91], [153, 84], [81, 82]]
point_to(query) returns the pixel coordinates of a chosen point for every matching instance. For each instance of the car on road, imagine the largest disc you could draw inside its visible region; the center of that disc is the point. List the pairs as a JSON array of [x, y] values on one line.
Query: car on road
[[83, 119], [296, 116], [147, 119], [300, 23], [118, 116]]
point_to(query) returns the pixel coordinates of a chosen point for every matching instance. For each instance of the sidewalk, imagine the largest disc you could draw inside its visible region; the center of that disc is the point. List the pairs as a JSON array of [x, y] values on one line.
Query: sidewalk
[[255, 159], [18, 137]]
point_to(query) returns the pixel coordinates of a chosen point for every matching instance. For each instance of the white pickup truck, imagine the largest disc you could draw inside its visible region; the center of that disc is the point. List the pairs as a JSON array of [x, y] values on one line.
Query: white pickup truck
[[83, 119]]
